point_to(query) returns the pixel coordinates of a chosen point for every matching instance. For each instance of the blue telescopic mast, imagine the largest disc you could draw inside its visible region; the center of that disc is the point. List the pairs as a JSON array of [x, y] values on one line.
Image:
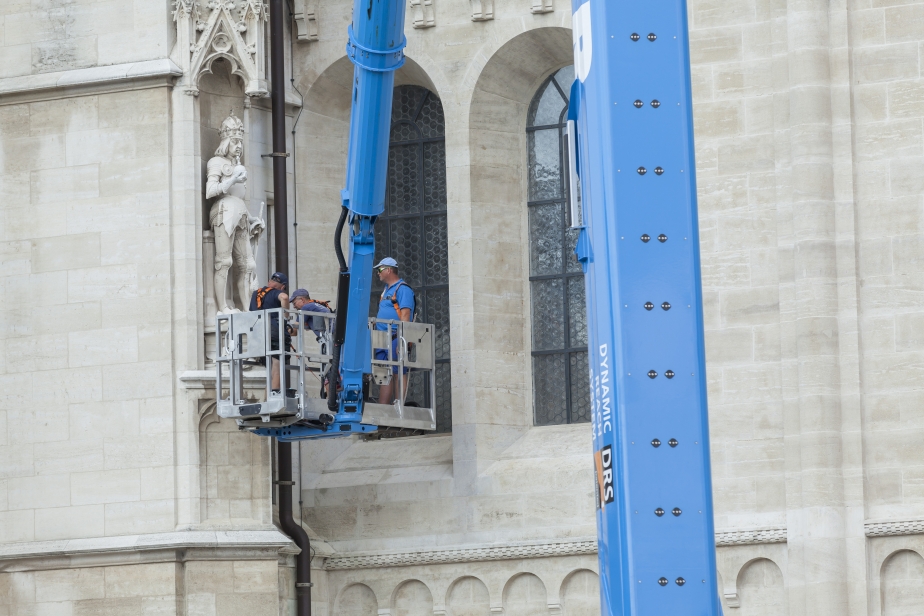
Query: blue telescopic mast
[[631, 110]]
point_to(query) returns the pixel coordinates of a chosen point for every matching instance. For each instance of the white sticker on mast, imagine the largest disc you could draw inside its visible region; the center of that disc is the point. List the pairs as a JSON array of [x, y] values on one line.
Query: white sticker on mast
[[583, 43]]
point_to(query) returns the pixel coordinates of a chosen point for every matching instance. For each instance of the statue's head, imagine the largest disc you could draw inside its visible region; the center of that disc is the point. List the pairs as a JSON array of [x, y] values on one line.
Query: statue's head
[[232, 138]]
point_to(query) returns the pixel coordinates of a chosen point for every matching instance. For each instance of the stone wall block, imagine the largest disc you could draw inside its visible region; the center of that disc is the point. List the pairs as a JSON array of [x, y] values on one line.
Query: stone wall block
[[719, 45], [14, 120], [105, 487], [68, 456], [757, 154], [904, 23], [70, 584], [867, 27], [120, 382], [72, 522], [907, 257], [886, 63], [15, 60], [39, 492], [140, 580], [729, 346], [32, 153], [906, 99], [255, 577]]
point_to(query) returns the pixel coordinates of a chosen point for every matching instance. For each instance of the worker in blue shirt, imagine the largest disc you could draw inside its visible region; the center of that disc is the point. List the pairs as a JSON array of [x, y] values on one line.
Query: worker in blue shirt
[[302, 301], [397, 303]]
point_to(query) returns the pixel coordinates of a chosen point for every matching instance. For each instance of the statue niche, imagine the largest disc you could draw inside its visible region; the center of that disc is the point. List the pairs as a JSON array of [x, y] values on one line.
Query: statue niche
[[236, 232]]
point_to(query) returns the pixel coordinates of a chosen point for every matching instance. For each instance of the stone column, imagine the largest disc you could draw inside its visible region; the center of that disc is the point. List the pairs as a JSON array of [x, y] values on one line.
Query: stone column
[[210, 310], [812, 331]]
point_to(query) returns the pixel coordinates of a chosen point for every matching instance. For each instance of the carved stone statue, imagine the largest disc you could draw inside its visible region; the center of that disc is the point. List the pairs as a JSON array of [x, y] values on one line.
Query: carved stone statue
[[232, 224]]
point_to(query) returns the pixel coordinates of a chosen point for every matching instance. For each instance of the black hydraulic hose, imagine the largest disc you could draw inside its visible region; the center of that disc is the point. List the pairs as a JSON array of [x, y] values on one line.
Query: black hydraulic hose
[[338, 234], [294, 530], [343, 296]]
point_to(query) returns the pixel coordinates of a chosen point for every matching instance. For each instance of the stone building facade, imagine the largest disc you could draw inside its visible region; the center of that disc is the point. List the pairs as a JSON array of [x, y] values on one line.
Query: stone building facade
[[121, 492]]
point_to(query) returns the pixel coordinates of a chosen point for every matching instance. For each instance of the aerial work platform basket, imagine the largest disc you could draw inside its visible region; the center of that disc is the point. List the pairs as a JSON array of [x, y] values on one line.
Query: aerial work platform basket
[[296, 409]]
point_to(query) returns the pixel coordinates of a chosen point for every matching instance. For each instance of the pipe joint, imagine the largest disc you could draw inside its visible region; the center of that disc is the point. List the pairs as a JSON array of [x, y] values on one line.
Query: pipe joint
[[375, 60]]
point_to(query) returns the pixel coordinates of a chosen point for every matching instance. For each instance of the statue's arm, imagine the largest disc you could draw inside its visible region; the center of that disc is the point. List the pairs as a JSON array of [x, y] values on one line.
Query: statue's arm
[[215, 186]]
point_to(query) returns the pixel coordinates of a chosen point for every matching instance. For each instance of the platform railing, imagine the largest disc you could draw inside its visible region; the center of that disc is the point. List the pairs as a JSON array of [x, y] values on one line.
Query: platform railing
[[302, 344]]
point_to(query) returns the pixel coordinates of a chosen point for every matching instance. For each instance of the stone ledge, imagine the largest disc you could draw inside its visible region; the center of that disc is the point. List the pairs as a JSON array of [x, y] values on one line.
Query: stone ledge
[[29, 88], [750, 536], [462, 555], [521, 550], [127, 549], [893, 528]]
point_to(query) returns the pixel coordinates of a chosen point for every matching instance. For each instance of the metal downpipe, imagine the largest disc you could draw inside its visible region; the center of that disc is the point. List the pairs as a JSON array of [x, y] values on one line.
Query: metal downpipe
[[281, 231]]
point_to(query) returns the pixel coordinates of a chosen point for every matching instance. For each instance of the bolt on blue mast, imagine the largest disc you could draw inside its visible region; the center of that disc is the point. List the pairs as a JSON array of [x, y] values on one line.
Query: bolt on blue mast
[[632, 110], [376, 48]]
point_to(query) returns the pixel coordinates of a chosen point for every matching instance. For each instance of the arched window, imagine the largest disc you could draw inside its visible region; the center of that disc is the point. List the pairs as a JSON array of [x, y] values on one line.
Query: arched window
[[413, 228], [559, 323]]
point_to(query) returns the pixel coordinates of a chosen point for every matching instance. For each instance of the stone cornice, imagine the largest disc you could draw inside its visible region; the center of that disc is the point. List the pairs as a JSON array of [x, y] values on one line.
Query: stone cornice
[[373, 560], [155, 547], [893, 528], [462, 555], [750, 536], [30, 88]]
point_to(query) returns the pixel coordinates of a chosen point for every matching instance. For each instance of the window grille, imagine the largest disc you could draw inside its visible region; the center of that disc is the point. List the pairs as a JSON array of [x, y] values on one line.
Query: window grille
[[561, 391], [413, 228]]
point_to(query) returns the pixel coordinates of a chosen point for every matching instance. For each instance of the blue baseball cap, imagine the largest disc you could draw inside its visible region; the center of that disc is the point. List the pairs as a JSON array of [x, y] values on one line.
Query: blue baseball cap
[[299, 293], [387, 262], [280, 277]]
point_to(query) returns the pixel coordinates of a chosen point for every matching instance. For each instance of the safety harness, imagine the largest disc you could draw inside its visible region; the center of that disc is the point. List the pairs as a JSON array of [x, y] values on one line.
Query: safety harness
[[394, 299], [261, 293]]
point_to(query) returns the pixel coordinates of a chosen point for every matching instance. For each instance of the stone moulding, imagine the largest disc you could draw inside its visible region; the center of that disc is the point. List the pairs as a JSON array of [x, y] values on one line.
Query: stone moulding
[[750, 537], [513, 552], [894, 528], [156, 547], [461, 555], [116, 77]]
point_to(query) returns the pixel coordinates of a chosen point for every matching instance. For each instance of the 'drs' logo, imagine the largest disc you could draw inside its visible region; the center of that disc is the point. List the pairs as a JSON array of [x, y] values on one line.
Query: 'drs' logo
[[603, 461]]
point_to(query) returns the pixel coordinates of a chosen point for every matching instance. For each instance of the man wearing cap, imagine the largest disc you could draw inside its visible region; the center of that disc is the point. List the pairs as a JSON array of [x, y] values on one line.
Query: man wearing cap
[[397, 303], [302, 301], [273, 295]]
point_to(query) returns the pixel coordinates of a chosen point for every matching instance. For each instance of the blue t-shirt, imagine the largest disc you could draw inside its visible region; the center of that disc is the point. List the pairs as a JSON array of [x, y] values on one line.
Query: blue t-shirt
[[316, 325], [405, 297]]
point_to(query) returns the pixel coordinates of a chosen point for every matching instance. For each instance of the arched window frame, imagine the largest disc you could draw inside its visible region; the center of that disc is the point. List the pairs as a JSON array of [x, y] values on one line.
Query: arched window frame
[[417, 174], [558, 351]]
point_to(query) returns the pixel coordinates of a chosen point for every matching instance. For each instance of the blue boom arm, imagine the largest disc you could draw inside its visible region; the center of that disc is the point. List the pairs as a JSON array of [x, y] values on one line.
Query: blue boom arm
[[640, 252], [375, 47]]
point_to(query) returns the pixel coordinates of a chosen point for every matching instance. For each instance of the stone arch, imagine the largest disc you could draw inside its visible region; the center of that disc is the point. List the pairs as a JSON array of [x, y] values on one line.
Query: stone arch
[[525, 595], [412, 598], [497, 199], [760, 589], [321, 147], [468, 596], [580, 593], [902, 584], [233, 471], [356, 600]]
